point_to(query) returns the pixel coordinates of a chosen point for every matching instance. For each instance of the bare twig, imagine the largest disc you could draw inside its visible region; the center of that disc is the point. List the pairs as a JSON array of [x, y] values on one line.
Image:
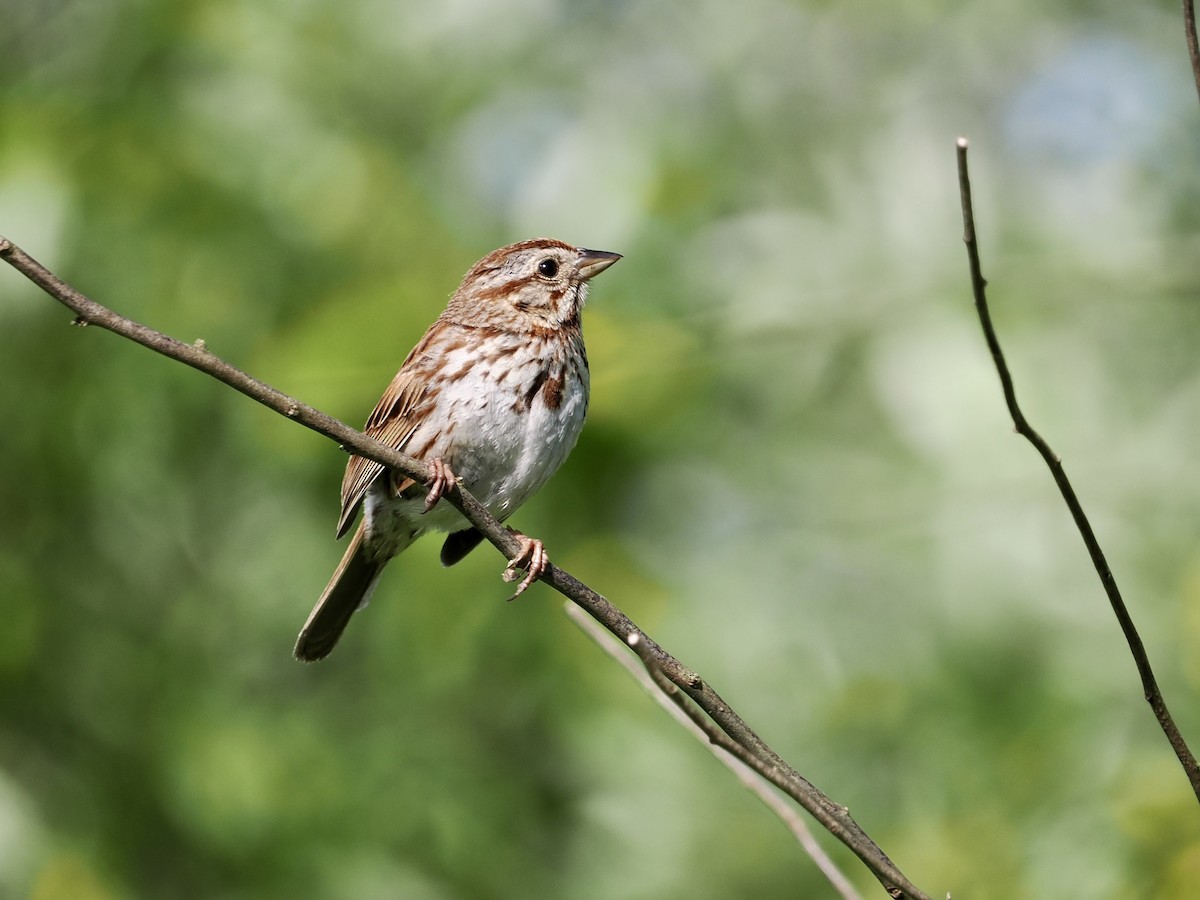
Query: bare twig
[[1189, 30], [680, 709], [836, 819], [1140, 658]]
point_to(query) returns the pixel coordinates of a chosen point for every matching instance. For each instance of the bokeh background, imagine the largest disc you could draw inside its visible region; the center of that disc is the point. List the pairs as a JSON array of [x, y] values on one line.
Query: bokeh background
[[797, 473]]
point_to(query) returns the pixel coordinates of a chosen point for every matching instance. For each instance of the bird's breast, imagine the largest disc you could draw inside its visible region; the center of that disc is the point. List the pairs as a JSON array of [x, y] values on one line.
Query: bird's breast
[[515, 431]]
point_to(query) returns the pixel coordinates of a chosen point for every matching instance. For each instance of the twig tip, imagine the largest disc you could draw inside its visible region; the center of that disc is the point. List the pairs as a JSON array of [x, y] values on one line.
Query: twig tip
[[962, 142]]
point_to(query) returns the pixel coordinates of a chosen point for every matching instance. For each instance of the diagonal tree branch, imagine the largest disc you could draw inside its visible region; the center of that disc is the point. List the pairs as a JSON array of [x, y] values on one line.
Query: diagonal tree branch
[[833, 817], [719, 744], [1136, 648]]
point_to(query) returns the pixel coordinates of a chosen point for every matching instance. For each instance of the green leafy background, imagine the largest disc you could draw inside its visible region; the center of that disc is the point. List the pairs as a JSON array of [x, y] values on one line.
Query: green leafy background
[[797, 473]]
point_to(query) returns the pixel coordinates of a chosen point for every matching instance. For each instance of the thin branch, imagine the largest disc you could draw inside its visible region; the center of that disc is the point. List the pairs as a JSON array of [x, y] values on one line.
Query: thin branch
[[1140, 657], [836, 819], [682, 711], [1189, 30]]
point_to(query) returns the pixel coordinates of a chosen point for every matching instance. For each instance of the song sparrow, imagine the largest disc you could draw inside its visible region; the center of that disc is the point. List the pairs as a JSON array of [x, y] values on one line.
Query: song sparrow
[[494, 396]]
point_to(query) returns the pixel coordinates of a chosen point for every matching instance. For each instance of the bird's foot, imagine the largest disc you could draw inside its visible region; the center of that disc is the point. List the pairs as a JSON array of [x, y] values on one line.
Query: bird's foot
[[531, 557], [443, 479]]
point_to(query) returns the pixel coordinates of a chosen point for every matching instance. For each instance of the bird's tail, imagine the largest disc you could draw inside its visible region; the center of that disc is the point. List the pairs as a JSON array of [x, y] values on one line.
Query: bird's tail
[[348, 590]]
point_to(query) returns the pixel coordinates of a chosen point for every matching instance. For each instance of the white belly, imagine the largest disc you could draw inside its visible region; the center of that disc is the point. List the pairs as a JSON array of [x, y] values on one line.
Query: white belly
[[512, 453], [502, 452]]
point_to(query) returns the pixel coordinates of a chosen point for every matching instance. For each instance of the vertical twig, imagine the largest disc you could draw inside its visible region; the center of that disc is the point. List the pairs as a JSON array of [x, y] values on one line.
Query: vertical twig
[[1189, 30], [1107, 580]]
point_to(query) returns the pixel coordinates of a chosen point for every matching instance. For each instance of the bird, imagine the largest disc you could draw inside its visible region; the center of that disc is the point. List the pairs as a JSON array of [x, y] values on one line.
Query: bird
[[493, 397]]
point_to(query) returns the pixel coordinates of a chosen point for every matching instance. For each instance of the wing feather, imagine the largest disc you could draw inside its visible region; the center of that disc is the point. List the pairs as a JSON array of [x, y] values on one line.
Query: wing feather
[[395, 418]]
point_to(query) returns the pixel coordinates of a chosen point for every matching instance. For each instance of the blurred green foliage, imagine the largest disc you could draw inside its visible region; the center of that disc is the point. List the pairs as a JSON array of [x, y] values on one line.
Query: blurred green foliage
[[797, 474]]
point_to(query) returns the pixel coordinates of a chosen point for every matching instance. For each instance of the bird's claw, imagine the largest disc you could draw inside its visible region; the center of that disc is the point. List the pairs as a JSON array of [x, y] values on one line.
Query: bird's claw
[[443, 478], [532, 558]]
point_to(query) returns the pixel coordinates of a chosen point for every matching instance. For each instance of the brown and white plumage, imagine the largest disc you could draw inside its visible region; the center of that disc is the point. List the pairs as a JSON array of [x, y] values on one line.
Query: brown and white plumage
[[494, 394]]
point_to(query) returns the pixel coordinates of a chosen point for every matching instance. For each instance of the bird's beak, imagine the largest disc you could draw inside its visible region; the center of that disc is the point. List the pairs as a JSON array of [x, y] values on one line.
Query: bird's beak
[[593, 262]]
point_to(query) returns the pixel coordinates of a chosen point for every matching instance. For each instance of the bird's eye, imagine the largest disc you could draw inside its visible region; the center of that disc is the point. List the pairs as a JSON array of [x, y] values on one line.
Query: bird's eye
[[548, 268]]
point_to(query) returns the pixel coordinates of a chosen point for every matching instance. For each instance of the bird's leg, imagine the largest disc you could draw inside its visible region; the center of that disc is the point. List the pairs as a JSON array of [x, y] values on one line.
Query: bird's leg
[[531, 557], [443, 479]]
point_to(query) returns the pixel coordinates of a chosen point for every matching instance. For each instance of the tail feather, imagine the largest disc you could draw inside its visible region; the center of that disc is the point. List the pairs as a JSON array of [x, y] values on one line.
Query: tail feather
[[348, 591], [459, 544]]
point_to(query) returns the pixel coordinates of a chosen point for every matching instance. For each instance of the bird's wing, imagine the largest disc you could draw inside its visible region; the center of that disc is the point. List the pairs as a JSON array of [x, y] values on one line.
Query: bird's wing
[[397, 415]]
